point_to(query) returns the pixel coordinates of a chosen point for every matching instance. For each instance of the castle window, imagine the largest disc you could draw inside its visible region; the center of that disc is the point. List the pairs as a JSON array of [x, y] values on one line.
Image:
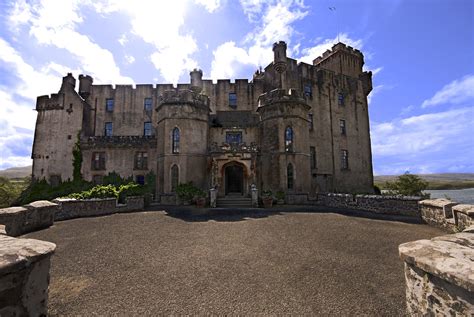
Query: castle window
[[308, 90], [175, 141], [141, 160], [233, 100], [342, 126], [98, 161], [174, 177], [233, 137], [340, 99], [310, 123], [147, 129], [148, 104], [109, 104], [97, 179], [290, 176], [140, 179], [312, 157], [108, 129], [344, 160], [289, 139]]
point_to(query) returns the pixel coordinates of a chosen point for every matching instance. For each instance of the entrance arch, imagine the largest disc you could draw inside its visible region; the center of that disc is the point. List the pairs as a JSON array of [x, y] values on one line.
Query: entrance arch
[[234, 179]]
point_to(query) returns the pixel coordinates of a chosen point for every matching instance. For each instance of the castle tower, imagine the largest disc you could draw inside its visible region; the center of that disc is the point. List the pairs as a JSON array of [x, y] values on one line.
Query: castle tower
[[85, 85], [196, 80], [279, 60], [284, 163], [183, 117]]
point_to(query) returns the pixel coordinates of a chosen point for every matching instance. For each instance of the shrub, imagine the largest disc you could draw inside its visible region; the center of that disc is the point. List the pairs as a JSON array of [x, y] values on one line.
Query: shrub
[[280, 195], [41, 190], [408, 185], [99, 191], [187, 192], [267, 193]]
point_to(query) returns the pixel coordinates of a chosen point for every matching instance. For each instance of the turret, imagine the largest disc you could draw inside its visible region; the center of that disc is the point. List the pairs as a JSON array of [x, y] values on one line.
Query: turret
[[279, 56], [68, 82], [342, 59], [196, 80], [85, 84]]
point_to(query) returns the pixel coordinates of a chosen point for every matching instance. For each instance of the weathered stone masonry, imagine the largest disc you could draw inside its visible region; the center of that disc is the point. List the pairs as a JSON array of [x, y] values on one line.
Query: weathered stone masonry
[[295, 127]]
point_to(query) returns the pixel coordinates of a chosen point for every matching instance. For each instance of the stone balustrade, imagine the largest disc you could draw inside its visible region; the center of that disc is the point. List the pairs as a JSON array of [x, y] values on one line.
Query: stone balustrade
[[439, 275]]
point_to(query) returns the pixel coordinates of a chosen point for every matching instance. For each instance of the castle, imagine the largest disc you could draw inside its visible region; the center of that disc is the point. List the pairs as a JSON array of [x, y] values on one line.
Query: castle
[[296, 127]]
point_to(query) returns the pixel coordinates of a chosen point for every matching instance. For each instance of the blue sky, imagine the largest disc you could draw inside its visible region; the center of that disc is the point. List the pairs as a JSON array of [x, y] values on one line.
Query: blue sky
[[421, 54]]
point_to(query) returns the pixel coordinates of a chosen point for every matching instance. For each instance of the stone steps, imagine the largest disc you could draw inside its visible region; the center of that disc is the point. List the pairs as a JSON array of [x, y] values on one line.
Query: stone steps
[[234, 201]]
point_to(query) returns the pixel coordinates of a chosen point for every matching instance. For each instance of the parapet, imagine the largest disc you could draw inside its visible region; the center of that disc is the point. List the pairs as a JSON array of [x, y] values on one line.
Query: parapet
[[280, 95], [339, 47], [183, 96], [55, 102]]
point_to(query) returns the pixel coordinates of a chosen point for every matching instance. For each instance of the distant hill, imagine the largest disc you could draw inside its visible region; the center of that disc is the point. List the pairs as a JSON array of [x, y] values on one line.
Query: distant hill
[[16, 172], [437, 181]]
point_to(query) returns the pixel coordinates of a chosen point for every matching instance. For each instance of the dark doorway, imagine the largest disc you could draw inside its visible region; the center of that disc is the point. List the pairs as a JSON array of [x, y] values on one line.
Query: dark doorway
[[234, 179]]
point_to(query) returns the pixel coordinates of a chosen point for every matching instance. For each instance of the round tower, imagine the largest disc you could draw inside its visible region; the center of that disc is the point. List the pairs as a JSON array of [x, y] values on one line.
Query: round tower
[[196, 80], [183, 117], [284, 162], [85, 85], [279, 57]]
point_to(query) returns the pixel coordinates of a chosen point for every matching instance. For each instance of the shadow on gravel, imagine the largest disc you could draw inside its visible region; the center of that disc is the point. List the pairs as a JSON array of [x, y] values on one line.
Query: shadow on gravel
[[193, 214]]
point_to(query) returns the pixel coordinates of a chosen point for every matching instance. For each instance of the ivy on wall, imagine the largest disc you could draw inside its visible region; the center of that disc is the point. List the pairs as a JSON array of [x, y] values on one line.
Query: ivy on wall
[[77, 159]]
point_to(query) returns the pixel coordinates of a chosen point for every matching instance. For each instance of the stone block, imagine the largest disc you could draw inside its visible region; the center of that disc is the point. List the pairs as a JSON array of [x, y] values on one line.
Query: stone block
[[34, 216], [439, 275], [24, 276], [463, 216]]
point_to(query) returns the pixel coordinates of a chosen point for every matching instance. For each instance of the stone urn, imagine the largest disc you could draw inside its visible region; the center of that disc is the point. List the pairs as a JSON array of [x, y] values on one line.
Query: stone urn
[[200, 202], [267, 201]]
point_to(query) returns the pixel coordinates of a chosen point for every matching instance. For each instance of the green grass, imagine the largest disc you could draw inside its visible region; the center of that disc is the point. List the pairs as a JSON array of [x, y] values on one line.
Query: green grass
[[440, 184]]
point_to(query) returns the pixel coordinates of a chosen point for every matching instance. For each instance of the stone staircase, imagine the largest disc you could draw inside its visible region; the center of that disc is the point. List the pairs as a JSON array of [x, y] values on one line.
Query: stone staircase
[[234, 201]]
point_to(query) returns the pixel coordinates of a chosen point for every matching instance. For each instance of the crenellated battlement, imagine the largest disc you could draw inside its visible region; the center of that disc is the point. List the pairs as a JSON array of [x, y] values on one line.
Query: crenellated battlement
[[339, 47], [53, 102], [280, 95], [183, 96]]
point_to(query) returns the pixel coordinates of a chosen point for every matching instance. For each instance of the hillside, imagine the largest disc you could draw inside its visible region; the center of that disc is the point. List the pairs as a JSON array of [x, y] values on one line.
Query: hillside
[[436, 181], [16, 172]]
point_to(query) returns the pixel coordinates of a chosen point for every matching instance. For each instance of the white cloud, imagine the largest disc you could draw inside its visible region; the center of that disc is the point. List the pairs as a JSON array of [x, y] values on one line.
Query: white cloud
[[54, 22], [455, 92], [129, 59], [123, 39], [159, 23], [274, 25], [376, 71], [375, 90], [210, 5], [424, 134]]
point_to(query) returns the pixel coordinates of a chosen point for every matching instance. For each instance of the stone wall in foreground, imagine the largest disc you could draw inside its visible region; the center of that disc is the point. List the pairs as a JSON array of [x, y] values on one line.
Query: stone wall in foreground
[[447, 214], [379, 204], [439, 275], [24, 276], [34, 216]]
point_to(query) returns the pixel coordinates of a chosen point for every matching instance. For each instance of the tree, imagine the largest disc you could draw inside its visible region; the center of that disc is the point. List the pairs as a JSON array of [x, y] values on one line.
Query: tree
[[408, 185]]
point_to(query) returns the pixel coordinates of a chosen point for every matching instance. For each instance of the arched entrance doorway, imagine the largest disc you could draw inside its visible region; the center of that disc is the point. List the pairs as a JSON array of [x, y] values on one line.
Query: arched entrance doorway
[[234, 179]]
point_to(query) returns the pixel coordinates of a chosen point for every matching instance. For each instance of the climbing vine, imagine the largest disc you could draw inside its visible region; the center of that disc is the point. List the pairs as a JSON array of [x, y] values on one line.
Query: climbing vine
[[77, 159]]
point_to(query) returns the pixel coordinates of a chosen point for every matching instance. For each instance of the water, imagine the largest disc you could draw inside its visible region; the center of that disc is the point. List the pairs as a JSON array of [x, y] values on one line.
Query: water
[[465, 196]]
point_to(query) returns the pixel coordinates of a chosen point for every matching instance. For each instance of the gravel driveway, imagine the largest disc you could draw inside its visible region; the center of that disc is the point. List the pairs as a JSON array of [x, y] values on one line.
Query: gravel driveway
[[259, 263]]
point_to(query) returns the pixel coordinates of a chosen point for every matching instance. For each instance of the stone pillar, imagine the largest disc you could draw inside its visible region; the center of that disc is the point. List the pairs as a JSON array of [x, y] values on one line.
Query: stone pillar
[[213, 197], [24, 276], [254, 191], [439, 275]]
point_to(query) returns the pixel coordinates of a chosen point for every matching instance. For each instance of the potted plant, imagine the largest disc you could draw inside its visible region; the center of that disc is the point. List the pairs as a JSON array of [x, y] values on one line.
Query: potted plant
[[200, 198], [267, 198], [280, 197]]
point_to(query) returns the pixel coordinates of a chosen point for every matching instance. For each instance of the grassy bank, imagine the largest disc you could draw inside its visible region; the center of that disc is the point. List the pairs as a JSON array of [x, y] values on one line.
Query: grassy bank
[[440, 184]]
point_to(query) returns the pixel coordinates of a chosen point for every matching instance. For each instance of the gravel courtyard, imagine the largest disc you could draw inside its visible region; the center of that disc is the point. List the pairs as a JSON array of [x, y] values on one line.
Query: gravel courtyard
[[259, 263]]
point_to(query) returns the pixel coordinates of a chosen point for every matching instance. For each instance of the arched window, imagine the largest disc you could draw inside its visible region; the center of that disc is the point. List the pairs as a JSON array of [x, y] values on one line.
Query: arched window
[[290, 176], [289, 139], [175, 141], [174, 177]]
